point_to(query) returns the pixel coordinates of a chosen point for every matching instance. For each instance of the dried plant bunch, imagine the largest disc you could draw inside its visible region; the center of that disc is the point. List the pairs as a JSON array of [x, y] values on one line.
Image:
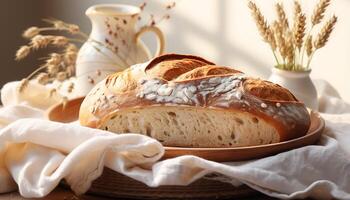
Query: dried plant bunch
[[293, 43], [60, 65]]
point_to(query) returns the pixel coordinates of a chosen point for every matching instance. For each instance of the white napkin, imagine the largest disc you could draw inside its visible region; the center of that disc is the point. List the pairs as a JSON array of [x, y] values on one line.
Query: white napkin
[[36, 154]]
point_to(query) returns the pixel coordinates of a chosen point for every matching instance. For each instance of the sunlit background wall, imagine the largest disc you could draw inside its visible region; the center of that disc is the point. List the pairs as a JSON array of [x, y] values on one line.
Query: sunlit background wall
[[219, 30]]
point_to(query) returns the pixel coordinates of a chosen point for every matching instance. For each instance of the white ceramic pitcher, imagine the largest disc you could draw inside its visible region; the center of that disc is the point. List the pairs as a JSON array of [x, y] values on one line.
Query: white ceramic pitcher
[[114, 44]]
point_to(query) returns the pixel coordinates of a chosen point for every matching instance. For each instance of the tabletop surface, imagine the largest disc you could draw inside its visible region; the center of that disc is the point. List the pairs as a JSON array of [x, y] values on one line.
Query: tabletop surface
[[64, 194]]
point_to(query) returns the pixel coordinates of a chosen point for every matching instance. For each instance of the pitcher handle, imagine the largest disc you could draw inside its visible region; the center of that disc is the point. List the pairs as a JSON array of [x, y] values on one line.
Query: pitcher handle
[[159, 34]]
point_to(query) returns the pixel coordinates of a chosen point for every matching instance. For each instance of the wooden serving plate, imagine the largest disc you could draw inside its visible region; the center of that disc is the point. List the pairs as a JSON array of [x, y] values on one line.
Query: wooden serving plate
[[70, 113]]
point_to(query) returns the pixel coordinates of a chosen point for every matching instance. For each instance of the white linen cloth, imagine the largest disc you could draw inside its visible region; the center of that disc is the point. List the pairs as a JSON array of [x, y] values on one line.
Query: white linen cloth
[[35, 154]]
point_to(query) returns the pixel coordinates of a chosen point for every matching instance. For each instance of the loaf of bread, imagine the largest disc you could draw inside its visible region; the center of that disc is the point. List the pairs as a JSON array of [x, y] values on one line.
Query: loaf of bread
[[187, 101]]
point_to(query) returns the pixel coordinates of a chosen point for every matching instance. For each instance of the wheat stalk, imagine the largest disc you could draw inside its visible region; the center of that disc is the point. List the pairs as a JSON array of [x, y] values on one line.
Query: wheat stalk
[[299, 25], [322, 37], [61, 76], [319, 11], [316, 18], [282, 19], [264, 28], [326, 31], [60, 41], [31, 32], [299, 30], [260, 21], [272, 40], [23, 52], [297, 9], [43, 78], [309, 47], [281, 43], [290, 50], [23, 84]]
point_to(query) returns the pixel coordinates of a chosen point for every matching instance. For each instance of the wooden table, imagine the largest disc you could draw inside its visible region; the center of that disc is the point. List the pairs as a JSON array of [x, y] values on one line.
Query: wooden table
[[58, 194], [64, 194]]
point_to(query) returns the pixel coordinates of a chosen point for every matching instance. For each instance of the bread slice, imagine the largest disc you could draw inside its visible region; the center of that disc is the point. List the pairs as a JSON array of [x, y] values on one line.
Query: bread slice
[[194, 127]]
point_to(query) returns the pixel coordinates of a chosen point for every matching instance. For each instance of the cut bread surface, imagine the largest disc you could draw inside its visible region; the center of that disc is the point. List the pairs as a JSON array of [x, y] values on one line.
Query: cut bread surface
[[193, 127]]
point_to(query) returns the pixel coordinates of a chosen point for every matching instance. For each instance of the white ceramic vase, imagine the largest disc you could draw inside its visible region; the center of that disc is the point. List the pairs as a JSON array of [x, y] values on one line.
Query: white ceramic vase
[[299, 83], [114, 44]]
